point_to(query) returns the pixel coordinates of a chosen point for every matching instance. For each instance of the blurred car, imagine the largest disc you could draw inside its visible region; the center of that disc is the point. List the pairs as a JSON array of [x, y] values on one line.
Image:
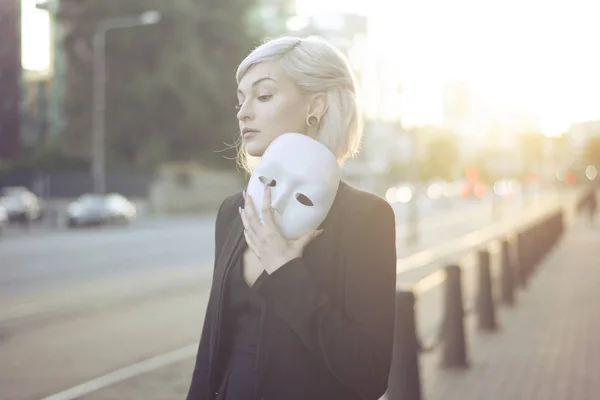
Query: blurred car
[[3, 219], [100, 209], [21, 204]]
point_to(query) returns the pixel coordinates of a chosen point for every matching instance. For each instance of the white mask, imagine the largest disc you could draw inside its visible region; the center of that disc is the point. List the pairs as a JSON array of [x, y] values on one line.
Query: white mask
[[304, 176]]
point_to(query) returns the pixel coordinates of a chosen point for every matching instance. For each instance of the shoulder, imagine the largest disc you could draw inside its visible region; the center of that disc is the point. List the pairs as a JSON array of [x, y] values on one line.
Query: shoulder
[[356, 205], [229, 208], [231, 204]]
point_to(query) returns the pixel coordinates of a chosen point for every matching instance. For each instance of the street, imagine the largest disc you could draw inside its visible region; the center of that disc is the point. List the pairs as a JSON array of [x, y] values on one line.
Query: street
[[79, 304]]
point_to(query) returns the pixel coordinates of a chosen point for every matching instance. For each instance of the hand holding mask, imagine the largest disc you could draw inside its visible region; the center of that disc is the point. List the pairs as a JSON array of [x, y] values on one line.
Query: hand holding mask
[[303, 176]]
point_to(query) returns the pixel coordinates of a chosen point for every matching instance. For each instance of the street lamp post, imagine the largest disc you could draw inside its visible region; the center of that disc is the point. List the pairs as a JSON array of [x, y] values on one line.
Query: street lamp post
[[99, 90], [412, 234]]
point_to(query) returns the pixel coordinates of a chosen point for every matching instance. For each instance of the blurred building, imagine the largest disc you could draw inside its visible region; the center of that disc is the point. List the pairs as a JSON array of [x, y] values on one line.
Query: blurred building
[[579, 133], [457, 105], [348, 33], [10, 78]]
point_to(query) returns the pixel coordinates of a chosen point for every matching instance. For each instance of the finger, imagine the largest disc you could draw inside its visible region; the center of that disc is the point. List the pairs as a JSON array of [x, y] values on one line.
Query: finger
[[267, 210], [246, 221], [250, 211], [250, 239]]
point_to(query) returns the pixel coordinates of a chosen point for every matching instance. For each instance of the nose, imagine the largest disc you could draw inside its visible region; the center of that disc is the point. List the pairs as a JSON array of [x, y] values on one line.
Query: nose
[[245, 112]]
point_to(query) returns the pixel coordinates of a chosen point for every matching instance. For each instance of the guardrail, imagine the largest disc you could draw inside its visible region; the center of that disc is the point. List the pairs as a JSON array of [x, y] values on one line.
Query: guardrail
[[516, 251]]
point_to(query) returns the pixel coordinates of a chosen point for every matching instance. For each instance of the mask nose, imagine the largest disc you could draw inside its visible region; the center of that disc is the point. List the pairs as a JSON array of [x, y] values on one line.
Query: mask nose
[[280, 198]]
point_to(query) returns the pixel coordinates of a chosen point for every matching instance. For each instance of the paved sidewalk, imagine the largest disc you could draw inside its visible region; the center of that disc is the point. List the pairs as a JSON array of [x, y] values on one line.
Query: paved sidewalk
[[548, 347]]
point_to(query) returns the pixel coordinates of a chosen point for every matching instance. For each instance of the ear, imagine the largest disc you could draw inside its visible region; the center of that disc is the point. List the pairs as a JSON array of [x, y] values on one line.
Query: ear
[[317, 105]]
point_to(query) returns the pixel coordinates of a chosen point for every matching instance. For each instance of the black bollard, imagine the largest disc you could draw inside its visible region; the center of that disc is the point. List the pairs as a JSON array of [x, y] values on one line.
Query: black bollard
[[537, 243], [544, 236], [531, 252], [557, 227], [404, 380], [507, 288], [454, 351], [486, 313], [561, 223], [521, 264]]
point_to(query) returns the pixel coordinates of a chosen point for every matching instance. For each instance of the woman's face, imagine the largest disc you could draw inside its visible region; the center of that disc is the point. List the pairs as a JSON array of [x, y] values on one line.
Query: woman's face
[[270, 104]]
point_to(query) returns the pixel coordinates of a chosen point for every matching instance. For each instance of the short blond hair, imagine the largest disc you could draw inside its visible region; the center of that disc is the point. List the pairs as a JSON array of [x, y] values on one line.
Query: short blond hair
[[316, 66]]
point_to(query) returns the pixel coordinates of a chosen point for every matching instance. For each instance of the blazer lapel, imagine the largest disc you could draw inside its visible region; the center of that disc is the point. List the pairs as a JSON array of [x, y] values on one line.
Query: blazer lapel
[[232, 248], [320, 248], [233, 244]]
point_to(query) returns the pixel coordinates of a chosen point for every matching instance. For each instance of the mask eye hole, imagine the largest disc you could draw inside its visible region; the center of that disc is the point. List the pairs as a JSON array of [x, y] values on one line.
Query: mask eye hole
[[302, 199], [267, 181]]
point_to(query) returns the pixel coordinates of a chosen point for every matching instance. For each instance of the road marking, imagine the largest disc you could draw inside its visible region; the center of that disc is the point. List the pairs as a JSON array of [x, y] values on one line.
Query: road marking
[[126, 373]]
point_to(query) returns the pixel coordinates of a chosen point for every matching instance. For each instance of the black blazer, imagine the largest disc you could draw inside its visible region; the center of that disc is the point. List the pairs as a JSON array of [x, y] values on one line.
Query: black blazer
[[328, 317]]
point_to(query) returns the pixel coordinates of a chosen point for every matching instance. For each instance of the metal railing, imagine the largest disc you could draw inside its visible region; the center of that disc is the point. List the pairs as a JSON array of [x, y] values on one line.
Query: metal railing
[[504, 260]]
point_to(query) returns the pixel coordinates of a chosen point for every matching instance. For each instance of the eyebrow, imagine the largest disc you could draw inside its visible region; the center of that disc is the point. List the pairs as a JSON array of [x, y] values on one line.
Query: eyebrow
[[256, 82]]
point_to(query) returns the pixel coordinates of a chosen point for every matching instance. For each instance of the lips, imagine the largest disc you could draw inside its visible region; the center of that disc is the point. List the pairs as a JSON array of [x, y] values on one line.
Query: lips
[[247, 132]]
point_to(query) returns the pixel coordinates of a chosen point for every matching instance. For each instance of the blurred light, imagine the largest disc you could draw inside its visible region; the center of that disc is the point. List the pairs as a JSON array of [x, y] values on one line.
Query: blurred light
[[404, 194], [465, 190], [501, 188], [150, 17], [570, 178], [591, 172], [296, 23], [435, 191], [390, 195], [506, 188], [471, 174], [479, 191]]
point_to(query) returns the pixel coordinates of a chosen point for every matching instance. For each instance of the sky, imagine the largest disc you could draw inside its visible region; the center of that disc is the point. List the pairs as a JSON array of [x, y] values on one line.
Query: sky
[[35, 37], [518, 57]]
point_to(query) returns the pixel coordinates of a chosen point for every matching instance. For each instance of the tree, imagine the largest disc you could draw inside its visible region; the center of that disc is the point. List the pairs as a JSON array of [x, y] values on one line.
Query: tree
[[591, 151], [170, 87], [442, 156], [532, 148]]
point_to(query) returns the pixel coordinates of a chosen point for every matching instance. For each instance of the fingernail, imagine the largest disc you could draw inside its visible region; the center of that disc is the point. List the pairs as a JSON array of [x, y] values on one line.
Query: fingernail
[[240, 209]]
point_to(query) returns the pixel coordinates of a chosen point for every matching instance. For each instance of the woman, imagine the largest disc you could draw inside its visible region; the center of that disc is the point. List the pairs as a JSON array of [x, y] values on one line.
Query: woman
[[311, 318]]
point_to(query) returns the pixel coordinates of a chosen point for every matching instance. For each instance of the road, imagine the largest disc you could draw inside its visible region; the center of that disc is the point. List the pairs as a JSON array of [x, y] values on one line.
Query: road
[[75, 305]]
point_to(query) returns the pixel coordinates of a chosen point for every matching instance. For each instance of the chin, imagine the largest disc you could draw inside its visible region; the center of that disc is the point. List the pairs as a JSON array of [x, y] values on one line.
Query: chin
[[254, 151], [254, 148]]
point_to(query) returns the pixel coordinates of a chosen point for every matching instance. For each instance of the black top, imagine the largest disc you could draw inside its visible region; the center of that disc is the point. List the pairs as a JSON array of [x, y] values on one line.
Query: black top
[[241, 334], [327, 317]]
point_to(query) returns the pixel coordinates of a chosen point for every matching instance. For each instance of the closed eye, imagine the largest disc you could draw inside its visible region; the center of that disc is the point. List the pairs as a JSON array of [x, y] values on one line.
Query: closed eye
[[302, 199]]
